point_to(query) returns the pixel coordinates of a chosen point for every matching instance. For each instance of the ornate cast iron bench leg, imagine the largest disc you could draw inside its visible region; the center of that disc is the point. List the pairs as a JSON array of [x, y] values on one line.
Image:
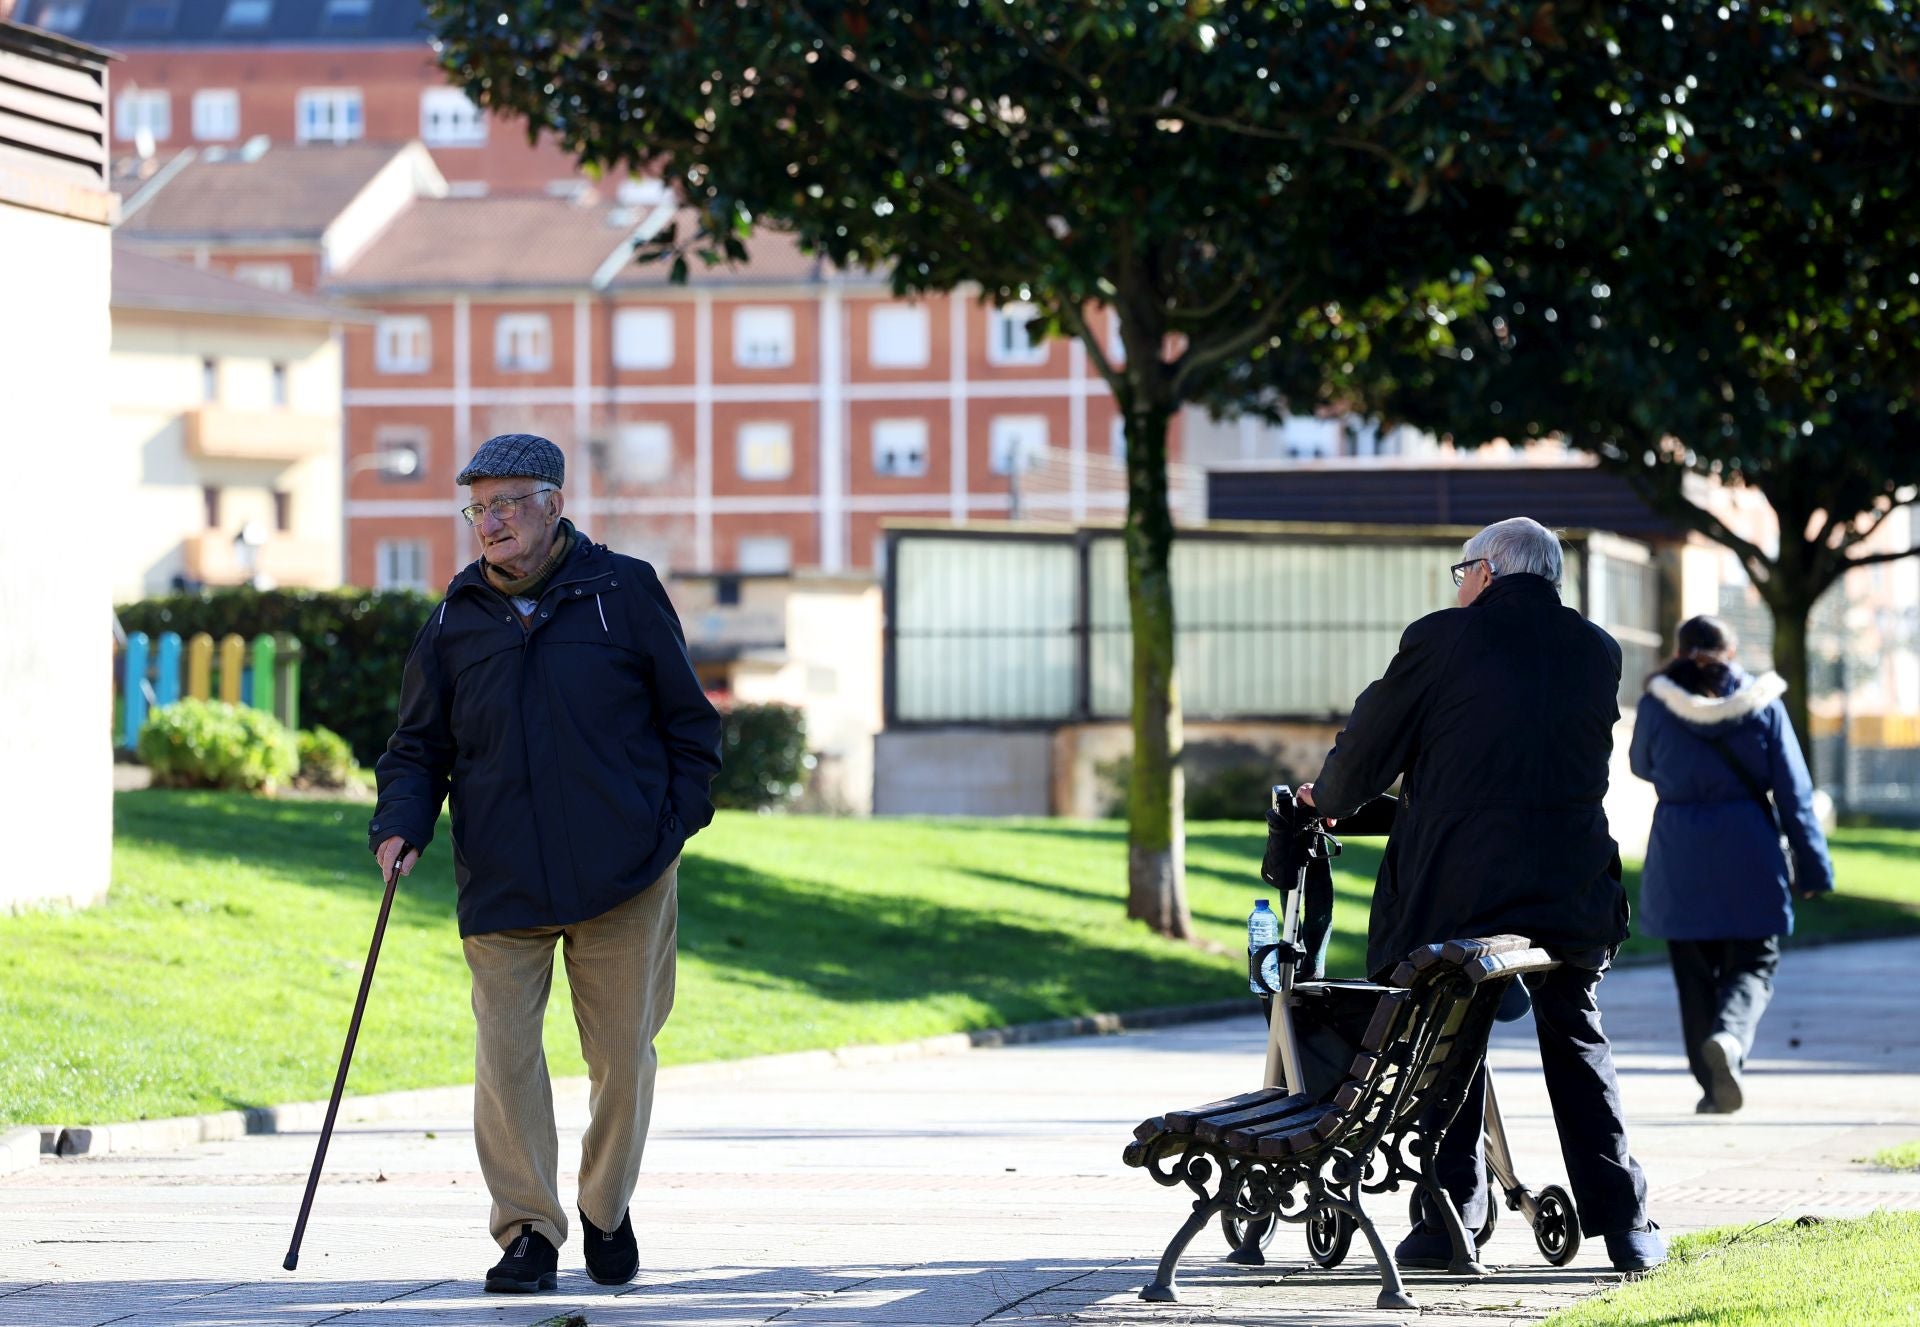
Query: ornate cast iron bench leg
[[1194, 1170]]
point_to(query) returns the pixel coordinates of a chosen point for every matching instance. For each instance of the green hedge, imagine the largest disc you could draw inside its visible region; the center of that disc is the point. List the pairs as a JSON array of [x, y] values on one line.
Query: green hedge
[[211, 744], [763, 756], [355, 643]]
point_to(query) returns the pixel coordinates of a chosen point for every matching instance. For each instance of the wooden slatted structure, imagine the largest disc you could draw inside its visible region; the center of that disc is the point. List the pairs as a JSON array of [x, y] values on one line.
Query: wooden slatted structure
[[53, 124]]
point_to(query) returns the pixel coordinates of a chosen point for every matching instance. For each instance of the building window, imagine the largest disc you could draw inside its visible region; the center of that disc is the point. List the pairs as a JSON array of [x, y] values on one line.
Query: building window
[[279, 383], [282, 511], [643, 453], [328, 115], [1008, 340], [897, 337], [137, 113], [763, 555], [766, 451], [400, 453], [1015, 442], [62, 15], [216, 115], [345, 15], [900, 447], [523, 343], [1117, 442], [148, 17], [402, 345], [210, 380], [448, 118], [643, 339], [763, 338], [1116, 346], [247, 13], [267, 276], [210, 498], [400, 564]]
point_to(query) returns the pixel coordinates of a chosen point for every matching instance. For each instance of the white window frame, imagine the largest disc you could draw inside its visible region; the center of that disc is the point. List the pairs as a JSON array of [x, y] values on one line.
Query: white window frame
[[246, 24], [138, 109], [449, 118], [267, 276], [514, 327], [650, 436], [763, 555], [1007, 434], [756, 442], [337, 129], [897, 452], [643, 339], [216, 115], [899, 336], [391, 351], [389, 574], [1005, 326], [763, 336]]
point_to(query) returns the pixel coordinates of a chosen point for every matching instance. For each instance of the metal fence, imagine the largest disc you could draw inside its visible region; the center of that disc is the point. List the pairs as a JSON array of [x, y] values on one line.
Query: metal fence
[[1018, 627]]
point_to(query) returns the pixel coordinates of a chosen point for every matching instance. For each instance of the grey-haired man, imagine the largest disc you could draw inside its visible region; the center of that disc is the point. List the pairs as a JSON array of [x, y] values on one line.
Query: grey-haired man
[[1497, 716], [550, 695]]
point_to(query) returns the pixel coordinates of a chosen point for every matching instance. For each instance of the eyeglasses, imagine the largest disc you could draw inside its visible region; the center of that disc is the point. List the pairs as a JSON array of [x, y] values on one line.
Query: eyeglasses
[[1460, 569], [501, 508]]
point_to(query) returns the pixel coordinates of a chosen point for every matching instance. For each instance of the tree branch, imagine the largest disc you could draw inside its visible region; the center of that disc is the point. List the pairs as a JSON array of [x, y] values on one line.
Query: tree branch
[[1201, 356], [1869, 559], [1671, 500], [1075, 319]]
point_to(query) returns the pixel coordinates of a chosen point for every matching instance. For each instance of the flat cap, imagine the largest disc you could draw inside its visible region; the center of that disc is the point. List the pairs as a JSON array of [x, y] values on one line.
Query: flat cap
[[512, 455]]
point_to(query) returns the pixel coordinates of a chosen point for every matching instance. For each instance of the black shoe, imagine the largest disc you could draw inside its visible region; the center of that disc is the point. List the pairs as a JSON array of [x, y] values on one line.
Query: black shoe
[[532, 1263], [612, 1255], [1425, 1250]]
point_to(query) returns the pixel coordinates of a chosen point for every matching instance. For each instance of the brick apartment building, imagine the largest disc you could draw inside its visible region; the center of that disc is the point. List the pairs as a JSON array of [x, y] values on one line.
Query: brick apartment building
[[216, 73]]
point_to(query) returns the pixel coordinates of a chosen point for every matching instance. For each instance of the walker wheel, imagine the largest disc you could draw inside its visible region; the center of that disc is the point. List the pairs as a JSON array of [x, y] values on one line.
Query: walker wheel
[[1235, 1229], [1329, 1236], [1556, 1226]]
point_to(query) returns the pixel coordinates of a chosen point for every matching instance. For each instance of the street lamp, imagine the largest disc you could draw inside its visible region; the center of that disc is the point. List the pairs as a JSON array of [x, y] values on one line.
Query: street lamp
[[400, 462]]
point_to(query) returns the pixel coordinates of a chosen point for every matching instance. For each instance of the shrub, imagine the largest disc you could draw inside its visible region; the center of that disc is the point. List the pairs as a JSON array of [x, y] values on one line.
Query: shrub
[[326, 761], [1231, 791], [763, 756], [354, 643], [210, 744]]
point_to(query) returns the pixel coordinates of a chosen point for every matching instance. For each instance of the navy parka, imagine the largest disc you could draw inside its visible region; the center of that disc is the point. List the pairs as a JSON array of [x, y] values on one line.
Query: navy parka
[[1498, 720], [1714, 866], [578, 749]]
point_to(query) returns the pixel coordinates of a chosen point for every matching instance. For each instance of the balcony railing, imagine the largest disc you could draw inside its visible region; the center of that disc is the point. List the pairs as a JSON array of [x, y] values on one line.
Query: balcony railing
[[218, 433]]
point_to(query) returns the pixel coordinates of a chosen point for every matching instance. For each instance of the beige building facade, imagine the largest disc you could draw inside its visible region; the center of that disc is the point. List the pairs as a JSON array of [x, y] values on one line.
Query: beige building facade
[[225, 426]]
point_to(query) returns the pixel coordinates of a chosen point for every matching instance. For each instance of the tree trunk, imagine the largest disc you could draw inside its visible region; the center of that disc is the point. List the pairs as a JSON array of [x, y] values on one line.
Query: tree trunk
[[1790, 616], [1156, 877]]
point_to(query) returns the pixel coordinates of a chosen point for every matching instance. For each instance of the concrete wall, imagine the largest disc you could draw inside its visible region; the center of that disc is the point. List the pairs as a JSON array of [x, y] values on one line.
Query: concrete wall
[[962, 772], [156, 379], [56, 647]]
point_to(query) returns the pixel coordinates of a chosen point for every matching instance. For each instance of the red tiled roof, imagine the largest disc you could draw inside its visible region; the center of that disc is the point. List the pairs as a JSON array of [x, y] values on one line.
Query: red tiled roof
[[143, 281], [286, 192]]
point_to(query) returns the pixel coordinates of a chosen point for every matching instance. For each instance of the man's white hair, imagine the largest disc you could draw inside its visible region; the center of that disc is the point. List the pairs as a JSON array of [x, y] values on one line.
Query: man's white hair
[[1517, 545]]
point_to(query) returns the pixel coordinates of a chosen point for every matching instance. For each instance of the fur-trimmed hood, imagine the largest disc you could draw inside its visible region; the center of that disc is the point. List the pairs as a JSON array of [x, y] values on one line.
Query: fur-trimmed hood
[[1754, 695]]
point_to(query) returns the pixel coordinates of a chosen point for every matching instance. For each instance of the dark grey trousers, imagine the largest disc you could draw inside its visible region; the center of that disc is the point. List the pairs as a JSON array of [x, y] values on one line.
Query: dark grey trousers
[[1724, 986]]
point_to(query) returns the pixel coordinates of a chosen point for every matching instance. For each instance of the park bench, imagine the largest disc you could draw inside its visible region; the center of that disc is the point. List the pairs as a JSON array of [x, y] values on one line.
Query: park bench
[[1359, 1126]]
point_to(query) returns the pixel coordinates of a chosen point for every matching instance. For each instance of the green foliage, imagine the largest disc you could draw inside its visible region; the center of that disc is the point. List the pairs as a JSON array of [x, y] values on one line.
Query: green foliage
[[763, 756], [1901, 1156], [326, 761], [1227, 786], [210, 744], [354, 645]]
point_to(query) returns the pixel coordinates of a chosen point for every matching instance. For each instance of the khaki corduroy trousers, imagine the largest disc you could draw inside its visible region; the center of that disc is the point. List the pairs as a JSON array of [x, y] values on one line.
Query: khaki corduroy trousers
[[620, 966]]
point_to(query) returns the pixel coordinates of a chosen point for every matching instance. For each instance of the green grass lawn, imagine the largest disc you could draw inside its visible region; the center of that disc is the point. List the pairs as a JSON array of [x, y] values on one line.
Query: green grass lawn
[[1902, 1156], [1855, 1273], [222, 969]]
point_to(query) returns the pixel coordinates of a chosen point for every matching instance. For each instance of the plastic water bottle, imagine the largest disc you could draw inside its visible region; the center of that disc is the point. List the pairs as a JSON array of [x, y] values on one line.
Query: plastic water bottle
[[1263, 928]]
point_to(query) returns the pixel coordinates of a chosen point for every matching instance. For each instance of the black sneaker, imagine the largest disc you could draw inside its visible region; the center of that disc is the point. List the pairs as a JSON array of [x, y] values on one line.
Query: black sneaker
[[612, 1255], [531, 1263]]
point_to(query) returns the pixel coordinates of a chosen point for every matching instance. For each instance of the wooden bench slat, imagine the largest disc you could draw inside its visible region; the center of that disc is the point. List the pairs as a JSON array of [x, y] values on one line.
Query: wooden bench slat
[[1459, 952], [1244, 1137], [1213, 1126], [1183, 1121], [1512, 963], [1386, 1020]]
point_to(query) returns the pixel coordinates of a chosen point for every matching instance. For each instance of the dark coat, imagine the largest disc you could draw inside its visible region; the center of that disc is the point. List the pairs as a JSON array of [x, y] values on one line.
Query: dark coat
[[1714, 866], [1498, 720], [578, 749]]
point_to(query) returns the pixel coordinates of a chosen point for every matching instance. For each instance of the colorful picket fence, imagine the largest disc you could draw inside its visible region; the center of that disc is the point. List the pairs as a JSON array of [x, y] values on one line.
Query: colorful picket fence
[[263, 674]]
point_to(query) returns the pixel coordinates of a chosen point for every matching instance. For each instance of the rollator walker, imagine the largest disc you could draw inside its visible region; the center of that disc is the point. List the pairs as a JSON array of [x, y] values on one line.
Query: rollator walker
[[1359, 1077]]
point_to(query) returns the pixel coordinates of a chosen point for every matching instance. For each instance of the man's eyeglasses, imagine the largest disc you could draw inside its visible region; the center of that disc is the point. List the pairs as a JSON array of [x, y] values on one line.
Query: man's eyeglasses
[[1460, 570], [503, 508]]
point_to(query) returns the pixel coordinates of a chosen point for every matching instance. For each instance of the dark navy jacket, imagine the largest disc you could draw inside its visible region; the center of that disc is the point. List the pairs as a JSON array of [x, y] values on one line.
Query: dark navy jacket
[[1498, 720], [578, 750], [1714, 867]]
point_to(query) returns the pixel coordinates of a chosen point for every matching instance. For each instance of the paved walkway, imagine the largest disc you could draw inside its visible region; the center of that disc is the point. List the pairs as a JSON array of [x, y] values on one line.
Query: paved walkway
[[958, 1190]]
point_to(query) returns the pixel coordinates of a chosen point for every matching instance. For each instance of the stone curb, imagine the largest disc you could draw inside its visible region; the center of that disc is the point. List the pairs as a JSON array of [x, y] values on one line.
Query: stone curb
[[20, 1148]]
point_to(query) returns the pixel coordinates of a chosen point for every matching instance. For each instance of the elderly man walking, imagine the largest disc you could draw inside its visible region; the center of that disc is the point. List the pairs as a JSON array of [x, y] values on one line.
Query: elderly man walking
[[551, 695], [1497, 716]]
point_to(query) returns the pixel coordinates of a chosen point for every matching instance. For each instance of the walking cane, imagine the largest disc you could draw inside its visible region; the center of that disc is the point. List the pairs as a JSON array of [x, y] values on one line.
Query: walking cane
[[346, 1058]]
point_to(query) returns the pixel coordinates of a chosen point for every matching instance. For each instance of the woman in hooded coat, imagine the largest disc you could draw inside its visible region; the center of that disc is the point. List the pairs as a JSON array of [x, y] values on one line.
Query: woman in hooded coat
[[1734, 837]]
